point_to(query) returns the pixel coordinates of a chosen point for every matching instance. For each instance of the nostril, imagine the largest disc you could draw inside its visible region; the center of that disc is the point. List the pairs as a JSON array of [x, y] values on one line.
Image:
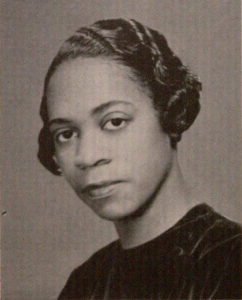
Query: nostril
[[102, 162]]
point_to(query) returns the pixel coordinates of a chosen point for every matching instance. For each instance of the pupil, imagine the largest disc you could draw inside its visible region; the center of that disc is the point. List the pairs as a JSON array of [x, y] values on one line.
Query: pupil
[[116, 122], [67, 134]]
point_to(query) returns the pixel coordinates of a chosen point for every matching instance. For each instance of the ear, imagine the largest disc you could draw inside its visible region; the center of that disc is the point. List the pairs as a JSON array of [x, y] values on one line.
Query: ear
[[56, 162], [55, 159]]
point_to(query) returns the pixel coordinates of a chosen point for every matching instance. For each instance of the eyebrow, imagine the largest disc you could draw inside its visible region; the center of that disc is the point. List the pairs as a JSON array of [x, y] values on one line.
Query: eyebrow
[[58, 121], [97, 110]]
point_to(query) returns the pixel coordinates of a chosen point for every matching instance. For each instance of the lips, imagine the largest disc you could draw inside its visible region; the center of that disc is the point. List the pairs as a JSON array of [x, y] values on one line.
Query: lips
[[100, 190]]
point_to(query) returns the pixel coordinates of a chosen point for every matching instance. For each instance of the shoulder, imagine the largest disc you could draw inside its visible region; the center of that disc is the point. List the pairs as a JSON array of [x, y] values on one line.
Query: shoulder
[[203, 230], [220, 260], [81, 281], [215, 233], [215, 252]]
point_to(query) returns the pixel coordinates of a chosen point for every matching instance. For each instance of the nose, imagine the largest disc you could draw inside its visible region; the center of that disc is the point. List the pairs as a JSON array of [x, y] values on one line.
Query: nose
[[90, 152]]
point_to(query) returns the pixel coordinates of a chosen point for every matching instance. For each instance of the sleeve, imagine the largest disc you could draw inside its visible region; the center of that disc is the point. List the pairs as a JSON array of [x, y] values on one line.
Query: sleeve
[[218, 273], [229, 287]]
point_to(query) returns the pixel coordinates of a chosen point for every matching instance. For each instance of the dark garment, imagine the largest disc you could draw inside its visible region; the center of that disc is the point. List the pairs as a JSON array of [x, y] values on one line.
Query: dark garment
[[198, 258]]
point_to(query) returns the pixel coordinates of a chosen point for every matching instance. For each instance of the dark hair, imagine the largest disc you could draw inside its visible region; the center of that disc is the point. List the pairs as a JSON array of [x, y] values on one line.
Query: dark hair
[[174, 90]]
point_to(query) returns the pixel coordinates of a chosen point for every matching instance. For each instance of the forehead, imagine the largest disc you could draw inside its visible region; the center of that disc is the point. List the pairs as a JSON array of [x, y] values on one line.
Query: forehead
[[88, 82]]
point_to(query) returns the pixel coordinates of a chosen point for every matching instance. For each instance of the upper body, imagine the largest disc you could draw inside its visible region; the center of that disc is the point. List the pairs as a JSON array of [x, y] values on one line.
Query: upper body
[[116, 102], [198, 258]]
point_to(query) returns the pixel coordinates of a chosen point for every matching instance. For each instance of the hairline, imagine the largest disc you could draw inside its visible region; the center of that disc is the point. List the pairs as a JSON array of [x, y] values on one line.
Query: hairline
[[133, 75]]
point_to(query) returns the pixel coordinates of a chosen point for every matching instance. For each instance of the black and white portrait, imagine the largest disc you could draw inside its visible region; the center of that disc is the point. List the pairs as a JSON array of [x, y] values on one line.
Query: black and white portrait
[[121, 149]]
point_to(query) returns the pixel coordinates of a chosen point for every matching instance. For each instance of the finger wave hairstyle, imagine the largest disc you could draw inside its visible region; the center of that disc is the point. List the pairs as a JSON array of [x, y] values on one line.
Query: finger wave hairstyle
[[174, 90]]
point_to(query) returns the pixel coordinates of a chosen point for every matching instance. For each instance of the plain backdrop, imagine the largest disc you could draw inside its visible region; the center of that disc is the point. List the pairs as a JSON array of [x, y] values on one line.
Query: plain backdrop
[[46, 230]]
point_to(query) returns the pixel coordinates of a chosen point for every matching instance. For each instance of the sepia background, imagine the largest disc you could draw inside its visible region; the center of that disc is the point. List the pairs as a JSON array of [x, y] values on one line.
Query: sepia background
[[46, 230]]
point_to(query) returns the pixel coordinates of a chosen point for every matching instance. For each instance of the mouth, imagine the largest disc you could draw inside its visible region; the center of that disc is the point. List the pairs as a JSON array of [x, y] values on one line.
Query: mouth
[[100, 190]]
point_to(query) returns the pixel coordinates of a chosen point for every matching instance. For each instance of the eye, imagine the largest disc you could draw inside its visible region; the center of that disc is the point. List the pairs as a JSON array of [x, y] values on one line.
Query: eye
[[115, 124], [65, 136]]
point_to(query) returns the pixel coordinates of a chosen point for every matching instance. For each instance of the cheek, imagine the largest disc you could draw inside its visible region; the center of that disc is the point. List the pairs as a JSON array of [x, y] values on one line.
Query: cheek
[[147, 158], [144, 145]]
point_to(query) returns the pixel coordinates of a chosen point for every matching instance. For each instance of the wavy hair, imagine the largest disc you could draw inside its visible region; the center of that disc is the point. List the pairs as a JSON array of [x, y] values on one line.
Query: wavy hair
[[174, 90]]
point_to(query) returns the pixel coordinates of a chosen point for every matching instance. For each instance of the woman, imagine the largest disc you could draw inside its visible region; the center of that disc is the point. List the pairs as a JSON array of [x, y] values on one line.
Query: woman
[[116, 102]]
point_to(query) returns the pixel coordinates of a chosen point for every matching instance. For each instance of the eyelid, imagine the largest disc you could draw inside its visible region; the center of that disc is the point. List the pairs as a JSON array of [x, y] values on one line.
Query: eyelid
[[61, 128], [58, 131], [115, 115]]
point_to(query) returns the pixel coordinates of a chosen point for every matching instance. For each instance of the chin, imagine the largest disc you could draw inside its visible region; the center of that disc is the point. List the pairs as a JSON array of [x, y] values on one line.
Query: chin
[[112, 215], [114, 212]]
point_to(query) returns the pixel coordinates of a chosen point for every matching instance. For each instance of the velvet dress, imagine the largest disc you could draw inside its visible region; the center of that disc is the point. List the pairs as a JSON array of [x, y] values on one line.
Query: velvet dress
[[198, 258]]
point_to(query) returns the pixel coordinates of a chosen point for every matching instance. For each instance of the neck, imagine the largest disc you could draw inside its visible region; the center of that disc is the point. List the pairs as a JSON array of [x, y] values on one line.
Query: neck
[[170, 204]]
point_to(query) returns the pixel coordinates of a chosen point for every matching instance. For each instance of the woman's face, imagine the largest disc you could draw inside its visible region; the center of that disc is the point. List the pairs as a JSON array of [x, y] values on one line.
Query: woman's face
[[108, 140]]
